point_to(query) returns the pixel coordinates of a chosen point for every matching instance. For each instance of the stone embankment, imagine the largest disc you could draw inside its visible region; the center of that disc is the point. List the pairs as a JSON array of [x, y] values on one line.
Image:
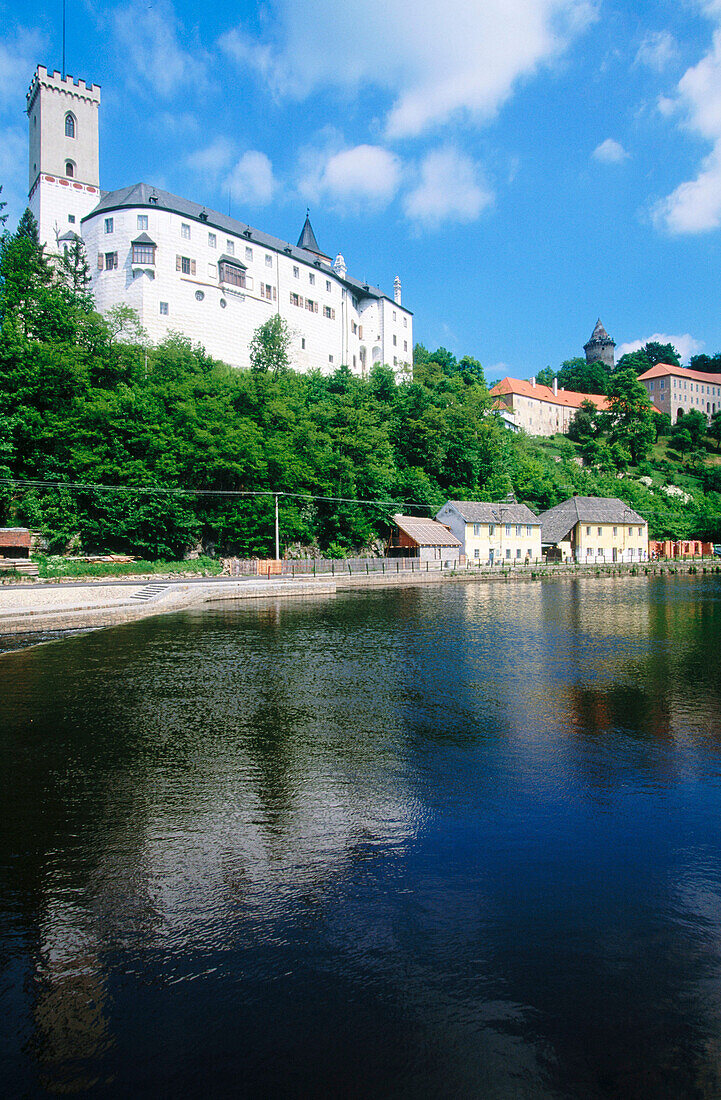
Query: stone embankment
[[31, 608]]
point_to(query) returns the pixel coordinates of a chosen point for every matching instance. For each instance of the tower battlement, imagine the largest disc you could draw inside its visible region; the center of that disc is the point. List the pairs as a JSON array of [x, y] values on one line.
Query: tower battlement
[[68, 84]]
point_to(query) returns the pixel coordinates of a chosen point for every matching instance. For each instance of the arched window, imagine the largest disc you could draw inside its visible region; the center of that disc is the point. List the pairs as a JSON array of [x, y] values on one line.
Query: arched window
[[70, 124], [69, 168]]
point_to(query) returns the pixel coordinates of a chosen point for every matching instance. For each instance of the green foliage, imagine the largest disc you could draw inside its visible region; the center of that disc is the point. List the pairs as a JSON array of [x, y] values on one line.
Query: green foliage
[[269, 347], [53, 566], [545, 377], [629, 417], [582, 377], [585, 424], [649, 356], [688, 431]]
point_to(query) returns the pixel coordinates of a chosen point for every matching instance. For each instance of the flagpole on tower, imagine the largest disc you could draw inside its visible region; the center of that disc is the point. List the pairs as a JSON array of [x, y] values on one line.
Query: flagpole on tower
[[63, 39]]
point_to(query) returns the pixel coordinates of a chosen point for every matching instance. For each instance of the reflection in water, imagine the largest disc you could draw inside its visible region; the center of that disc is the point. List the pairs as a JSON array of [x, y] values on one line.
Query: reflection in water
[[421, 842]]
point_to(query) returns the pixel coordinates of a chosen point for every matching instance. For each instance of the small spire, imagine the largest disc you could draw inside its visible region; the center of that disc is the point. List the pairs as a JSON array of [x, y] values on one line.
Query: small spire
[[307, 237]]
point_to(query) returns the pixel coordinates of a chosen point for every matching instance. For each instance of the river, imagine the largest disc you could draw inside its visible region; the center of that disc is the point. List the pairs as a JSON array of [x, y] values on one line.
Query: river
[[455, 841]]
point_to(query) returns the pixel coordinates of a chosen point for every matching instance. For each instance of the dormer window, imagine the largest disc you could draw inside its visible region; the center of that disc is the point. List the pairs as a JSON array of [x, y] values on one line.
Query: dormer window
[[143, 251], [70, 125], [69, 169]]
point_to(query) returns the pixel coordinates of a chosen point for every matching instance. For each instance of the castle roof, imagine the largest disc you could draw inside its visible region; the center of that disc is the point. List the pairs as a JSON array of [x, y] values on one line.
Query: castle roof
[[599, 336], [307, 238], [144, 195], [566, 398], [559, 521], [662, 370]]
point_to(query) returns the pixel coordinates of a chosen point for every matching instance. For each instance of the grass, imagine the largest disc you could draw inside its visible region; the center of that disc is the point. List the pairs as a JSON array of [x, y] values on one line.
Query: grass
[[50, 567]]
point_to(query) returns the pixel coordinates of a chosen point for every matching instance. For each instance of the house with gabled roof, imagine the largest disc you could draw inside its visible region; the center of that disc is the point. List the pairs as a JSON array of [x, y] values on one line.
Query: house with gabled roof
[[678, 390], [592, 530], [494, 531], [423, 538]]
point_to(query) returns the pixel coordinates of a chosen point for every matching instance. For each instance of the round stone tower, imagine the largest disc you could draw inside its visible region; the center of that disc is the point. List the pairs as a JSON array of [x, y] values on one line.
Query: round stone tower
[[600, 347]]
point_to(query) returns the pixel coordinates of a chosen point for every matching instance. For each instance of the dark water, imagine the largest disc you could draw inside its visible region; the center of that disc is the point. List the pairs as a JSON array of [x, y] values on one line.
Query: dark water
[[462, 841]]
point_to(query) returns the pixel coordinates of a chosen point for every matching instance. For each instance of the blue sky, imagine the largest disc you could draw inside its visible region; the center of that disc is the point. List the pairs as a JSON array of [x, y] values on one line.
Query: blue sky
[[524, 165]]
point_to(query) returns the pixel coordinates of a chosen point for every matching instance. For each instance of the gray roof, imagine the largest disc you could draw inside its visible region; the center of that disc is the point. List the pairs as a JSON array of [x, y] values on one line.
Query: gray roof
[[481, 511], [144, 239], [141, 194], [558, 521], [426, 532], [307, 238]]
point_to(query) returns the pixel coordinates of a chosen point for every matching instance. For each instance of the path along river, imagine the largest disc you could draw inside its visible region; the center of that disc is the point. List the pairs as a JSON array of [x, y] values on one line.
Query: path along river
[[451, 841]]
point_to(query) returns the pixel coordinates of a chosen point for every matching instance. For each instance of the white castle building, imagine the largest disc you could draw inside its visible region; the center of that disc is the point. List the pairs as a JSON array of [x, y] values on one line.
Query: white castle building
[[188, 269]]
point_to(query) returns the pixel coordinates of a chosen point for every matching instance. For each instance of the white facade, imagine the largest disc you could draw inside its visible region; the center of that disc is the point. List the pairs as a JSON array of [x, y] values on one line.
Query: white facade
[[194, 271]]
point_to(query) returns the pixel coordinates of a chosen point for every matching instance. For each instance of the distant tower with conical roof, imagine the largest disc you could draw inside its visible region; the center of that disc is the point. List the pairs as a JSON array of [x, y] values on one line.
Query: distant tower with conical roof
[[600, 347], [307, 240]]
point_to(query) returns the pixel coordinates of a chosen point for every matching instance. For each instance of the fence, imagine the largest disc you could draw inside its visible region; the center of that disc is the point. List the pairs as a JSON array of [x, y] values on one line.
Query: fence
[[317, 567]]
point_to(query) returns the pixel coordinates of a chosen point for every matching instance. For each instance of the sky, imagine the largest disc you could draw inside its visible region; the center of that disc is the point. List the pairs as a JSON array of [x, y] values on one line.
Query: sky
[[524, 166]]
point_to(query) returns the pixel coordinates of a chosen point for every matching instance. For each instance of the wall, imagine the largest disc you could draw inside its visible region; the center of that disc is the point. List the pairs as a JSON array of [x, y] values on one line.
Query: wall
[[630, 542], [681, 392]]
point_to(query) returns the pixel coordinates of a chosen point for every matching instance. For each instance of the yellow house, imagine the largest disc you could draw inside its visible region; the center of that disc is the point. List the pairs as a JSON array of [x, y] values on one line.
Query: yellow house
[[594, 529], [494, 532]]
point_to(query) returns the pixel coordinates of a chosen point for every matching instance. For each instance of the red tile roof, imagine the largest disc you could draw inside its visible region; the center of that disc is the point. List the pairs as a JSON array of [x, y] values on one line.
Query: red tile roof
[[661, 370], [567, 398]]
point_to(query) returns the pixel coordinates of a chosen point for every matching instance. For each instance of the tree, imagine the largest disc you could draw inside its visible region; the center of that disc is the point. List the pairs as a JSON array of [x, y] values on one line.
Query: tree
[[582, 377], [707, 364], [662, 424], [662, 353], [585, 424], [715, 429], [695, 424], [629, 415], [269, 348], [545, 377], [74, 265], [3, 217]]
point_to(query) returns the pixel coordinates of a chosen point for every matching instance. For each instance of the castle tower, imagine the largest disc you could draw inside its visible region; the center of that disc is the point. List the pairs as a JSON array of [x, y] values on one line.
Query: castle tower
[[600, 347], [64, 172]]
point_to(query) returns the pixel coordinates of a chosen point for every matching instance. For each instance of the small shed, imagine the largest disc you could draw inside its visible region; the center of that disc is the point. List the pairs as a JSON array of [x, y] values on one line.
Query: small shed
[[14, 542], [419, 537]]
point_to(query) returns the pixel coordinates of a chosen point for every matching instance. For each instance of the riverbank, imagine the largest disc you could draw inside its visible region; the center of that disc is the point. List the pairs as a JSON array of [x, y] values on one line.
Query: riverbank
[[32, 608]]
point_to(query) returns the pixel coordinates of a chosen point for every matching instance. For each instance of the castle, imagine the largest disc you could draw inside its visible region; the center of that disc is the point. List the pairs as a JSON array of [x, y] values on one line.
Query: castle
[[184, 268]]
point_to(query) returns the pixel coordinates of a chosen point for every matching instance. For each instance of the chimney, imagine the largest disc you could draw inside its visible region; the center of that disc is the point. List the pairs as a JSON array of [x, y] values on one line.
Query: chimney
[[555, 385], [397, 290], [533, 381]]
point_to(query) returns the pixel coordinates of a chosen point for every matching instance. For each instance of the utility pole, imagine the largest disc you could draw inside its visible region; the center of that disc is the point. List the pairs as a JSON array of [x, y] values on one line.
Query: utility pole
[[277, 531]]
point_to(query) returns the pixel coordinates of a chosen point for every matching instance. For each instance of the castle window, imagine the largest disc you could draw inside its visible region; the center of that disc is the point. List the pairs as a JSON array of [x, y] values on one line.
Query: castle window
[[185, 231], [230, 247], [111, 261], [70, 125], [311, 278], [268, 260], [329, 312], [295, 299], [302, 342], [69, 169], [311, 305], [212, 241], [405, 322], [330, 358], [248, 253], [328, 285], [395, 341], [164, 309], [142, 221], [231, 273], [71, 219], [296, 273], [108, 225], [143, 253]]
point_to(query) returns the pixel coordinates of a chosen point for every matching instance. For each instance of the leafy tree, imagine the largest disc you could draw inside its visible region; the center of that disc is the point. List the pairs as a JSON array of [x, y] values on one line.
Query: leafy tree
[[585, 424], [694, 423], [3, 217], [582, 377], [662, 424], [708, 364], [545, 377], [662, 353], [629, 415], [269, 348]]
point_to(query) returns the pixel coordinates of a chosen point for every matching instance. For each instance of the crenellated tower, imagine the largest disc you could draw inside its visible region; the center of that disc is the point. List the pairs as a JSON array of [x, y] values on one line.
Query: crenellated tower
[[600, 347], [64, 169]]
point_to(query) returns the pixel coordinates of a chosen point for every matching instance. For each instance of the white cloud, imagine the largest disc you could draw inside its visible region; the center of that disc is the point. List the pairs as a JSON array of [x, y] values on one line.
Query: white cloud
[[685, 344], [150, 41], [657, 50], [18, 57], [366, 175], [213, 158], [695, 205], [610, 152], [450, 188], [438, 61], [251, 179]]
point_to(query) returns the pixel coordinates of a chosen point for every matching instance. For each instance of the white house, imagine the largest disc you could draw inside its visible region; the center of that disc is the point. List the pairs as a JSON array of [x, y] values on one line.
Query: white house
[[494, 532], [185, 268]]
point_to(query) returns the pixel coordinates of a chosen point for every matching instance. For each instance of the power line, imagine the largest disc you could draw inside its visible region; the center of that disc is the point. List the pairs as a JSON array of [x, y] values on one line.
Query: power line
[[83, 486]]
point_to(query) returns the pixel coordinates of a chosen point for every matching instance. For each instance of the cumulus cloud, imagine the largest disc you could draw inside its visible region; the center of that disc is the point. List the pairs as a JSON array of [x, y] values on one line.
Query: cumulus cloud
[[251, 179], [450, 188], [685, 344], [657, 50], [438, 61], [149, 38], [365, 175], [695, 205], [610, 152], [212, 158]]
